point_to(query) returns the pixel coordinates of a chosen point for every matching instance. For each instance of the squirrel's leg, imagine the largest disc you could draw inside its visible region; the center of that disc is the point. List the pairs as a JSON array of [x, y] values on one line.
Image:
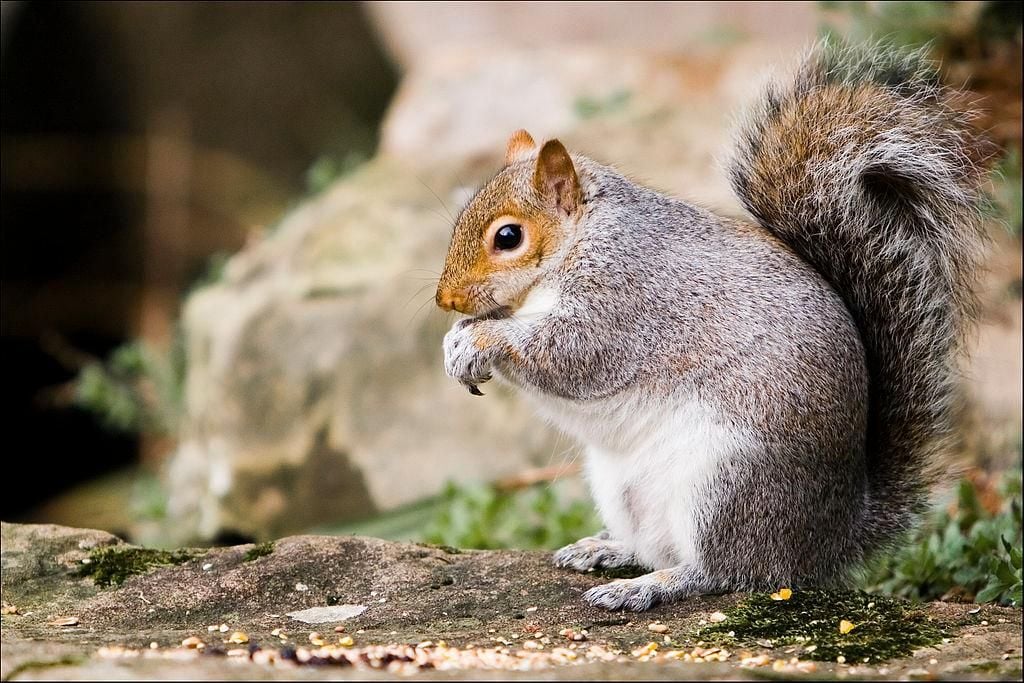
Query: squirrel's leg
[[594, 551], [643, 592]]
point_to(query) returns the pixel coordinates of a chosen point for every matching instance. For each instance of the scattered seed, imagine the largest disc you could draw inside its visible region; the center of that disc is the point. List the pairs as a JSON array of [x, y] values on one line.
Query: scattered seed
[[208, 566], [657, 627], [193, 643], [223, 628], [316, 639], [846, 626], [65, 621], [346, 641], [238, 637], [339, 629], [301, 587], [717, 617], [841, 659]]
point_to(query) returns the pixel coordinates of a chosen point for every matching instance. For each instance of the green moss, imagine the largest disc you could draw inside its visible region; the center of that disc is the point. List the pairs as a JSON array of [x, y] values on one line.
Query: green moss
[[257, 551], [448, 549], [627, 572], [884, 627], [111, 566]]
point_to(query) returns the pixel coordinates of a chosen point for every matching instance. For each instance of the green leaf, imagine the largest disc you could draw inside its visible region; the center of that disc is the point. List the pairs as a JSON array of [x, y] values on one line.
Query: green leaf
[[989, 593]]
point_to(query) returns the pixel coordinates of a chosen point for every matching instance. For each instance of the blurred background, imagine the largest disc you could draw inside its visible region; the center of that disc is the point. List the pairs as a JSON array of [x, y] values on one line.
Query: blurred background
[[221, 224]]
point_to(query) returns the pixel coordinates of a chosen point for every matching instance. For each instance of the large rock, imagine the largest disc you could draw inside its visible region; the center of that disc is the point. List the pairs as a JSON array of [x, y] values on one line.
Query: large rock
[[505, 611], [414, 31], [315, 390]]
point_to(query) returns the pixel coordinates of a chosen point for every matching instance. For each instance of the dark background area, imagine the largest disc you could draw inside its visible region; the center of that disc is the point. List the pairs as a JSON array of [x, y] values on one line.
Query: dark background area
[[138, 140]]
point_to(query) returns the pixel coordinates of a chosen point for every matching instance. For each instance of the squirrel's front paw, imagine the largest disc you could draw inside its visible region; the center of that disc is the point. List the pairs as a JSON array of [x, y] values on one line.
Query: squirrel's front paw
[[643, 592], [593, 552], [463, 360]]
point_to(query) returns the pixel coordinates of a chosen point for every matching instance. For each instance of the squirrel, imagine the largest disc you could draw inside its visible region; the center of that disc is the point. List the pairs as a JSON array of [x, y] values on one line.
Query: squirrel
[[762, 404]]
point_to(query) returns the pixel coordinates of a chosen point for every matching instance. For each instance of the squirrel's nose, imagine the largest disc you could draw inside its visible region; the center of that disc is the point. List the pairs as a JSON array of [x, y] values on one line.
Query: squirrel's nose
[[450, 301]]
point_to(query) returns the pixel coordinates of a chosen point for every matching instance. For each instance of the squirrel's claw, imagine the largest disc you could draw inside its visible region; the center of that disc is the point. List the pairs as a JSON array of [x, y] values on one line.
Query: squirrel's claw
[[463, 361]]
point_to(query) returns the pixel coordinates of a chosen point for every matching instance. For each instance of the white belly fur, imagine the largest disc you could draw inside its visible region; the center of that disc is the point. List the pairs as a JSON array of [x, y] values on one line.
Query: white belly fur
[[649, 461], [649, 464]]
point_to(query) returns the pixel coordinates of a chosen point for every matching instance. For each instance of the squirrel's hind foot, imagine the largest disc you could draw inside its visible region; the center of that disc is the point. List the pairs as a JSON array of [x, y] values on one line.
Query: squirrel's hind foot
[[593, 552], [643, 592]]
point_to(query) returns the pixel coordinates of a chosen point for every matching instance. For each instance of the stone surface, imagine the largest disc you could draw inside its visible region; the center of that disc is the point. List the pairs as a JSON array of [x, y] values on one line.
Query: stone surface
[[413, 593], [324, 615]]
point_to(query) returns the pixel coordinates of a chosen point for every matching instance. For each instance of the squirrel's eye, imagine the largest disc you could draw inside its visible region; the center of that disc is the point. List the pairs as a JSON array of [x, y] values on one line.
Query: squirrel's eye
[[508, 237]]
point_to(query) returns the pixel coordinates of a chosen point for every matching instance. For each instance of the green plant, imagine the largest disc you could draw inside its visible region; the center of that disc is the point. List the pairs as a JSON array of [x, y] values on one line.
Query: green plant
[[328, 168], [589, 107], [944, 26], [137, 389], [968, 551], [1006, 191], [487, 517]]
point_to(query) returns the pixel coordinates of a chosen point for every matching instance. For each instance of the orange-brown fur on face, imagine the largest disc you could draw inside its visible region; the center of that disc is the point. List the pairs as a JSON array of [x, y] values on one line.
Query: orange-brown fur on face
[[532, 192]]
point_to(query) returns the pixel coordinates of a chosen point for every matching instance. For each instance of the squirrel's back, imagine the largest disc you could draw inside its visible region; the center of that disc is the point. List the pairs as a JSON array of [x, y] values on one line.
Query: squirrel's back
[[865, 167]]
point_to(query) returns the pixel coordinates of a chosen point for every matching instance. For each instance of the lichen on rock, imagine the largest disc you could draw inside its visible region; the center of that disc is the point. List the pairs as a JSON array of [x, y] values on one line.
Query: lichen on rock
[[111, 566]]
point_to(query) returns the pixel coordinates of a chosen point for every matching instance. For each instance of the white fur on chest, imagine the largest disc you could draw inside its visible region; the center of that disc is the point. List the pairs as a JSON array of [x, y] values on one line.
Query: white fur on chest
[[539, 302], [650, 465]]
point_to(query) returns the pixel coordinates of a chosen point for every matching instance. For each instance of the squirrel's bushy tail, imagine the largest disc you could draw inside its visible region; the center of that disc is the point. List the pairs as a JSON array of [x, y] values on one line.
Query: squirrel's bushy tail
[[863, 164]]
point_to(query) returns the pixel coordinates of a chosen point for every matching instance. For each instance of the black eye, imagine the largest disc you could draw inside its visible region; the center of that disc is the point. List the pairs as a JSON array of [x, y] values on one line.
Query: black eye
[[508, 237]]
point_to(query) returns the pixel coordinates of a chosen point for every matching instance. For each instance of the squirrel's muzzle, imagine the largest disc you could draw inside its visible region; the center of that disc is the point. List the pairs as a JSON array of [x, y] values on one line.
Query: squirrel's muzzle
[[451, 300]]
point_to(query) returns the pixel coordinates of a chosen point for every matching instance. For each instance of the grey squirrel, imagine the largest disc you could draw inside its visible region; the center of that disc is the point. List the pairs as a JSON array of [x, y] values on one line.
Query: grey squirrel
[[762, 404]]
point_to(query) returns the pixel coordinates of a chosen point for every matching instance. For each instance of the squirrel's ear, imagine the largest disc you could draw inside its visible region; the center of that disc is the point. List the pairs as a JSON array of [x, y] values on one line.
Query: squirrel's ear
[[519, 145], [555, 177]]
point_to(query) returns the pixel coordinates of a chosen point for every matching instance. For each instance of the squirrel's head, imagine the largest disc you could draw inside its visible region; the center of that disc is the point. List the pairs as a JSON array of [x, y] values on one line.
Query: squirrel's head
[[505, 238]]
